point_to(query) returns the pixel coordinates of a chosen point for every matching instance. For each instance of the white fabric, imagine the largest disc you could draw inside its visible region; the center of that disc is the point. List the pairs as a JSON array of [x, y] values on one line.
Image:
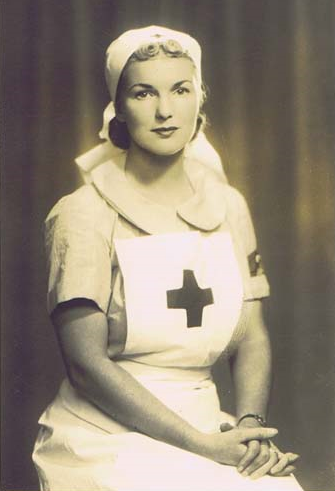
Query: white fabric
[[125, 45], [81, 457], [199, 149], [80, 448], [80, 228], [153, 265]]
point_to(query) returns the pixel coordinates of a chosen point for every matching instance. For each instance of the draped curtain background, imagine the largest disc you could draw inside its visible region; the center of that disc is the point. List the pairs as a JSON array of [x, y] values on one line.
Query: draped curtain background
[[270, 69]]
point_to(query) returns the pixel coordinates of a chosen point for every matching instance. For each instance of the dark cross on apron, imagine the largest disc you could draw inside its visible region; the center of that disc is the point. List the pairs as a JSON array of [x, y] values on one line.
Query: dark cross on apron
[[191, 298]]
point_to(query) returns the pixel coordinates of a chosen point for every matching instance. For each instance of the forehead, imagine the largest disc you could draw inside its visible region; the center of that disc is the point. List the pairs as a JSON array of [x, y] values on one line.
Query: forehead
[[159, 71]]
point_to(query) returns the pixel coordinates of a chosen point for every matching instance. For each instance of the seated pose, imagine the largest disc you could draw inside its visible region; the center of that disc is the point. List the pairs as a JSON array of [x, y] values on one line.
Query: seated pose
[[153, 274]]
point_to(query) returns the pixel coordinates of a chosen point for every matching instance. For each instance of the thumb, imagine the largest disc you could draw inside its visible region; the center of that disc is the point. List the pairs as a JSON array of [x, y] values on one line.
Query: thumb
[[226, 427], [247, 434]]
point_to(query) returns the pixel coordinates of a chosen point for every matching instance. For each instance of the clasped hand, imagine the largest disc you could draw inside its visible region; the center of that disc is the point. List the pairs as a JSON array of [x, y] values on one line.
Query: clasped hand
[[260, 454]]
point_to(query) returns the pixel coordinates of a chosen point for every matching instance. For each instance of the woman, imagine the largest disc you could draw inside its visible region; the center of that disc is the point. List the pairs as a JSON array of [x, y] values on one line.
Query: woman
[[153, 273]]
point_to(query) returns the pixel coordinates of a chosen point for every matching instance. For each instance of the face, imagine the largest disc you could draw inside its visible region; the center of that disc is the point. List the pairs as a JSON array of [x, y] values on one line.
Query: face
[[160, 104]]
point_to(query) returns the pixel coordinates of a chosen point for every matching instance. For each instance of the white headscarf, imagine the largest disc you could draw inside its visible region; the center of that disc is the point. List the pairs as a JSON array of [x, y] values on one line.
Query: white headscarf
[[117, 55]]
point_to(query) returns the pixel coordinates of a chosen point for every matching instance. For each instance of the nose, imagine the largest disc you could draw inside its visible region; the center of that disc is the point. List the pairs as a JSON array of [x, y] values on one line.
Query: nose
[[163, 108]]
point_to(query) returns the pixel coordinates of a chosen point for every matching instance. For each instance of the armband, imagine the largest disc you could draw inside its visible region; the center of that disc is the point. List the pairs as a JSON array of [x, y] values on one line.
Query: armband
[[255, 264]]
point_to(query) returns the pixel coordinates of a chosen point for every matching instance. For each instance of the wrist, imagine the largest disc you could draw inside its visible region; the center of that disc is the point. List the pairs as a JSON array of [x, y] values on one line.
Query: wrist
[[249, 423], [196, 442], [251, 420], [202, 445]]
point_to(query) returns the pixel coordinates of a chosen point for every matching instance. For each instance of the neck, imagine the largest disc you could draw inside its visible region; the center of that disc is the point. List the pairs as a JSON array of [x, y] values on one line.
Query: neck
[[159, 177], [147, 168]]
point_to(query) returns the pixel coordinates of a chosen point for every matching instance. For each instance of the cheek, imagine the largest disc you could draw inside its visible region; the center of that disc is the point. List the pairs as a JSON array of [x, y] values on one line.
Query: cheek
[[138, 116], [189, 115], [189, 109]]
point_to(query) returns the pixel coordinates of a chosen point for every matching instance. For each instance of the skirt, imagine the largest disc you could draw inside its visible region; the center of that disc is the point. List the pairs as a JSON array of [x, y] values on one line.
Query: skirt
[[79, 448]]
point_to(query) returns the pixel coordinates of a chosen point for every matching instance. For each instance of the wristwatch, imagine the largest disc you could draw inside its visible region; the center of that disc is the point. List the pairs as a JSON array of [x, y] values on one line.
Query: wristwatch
[[257, 417]]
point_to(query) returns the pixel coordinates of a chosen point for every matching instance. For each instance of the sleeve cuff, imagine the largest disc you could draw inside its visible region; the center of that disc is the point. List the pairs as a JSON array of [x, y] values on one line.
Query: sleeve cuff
[[60, 295]]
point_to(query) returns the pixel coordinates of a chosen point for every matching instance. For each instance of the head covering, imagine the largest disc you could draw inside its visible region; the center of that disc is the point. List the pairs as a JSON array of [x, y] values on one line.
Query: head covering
[[123, 47], [117, 55]]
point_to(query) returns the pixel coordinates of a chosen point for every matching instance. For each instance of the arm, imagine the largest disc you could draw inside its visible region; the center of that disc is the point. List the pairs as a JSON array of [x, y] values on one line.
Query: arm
[[251, 373], [82, 331], [251, 363], [251, 366]]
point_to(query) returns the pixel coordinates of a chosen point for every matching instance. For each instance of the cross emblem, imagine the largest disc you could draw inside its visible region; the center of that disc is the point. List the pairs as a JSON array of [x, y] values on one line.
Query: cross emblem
[[191, 298]]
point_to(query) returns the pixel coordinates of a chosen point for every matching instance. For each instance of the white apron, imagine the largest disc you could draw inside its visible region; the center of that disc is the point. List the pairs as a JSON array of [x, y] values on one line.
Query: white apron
[[184, 296]]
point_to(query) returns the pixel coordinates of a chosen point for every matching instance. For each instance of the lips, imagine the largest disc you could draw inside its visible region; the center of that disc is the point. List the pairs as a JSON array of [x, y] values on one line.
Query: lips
[[165, 132], [165, 129]]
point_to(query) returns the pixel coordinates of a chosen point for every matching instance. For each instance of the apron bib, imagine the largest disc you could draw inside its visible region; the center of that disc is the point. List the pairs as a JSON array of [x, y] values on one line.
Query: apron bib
[[183, 295]]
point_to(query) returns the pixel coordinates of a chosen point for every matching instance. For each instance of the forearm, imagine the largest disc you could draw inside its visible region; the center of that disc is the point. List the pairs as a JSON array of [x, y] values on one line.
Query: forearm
[[251, 368], [83, 333], [120, 395]]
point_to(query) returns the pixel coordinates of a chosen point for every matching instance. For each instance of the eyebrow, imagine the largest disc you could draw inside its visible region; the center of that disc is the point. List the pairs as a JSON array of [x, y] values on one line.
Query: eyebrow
[[148, 86]]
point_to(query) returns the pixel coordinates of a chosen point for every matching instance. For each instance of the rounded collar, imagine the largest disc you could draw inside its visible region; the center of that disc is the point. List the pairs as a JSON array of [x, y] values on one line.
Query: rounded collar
[[205, 210]]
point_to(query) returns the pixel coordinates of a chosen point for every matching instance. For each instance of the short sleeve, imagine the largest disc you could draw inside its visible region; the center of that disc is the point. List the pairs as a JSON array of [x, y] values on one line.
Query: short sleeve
[[256, 283], [77, 243]]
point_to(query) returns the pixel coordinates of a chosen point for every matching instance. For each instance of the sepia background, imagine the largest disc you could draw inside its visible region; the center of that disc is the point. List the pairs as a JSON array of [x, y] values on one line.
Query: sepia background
[[269, 65]]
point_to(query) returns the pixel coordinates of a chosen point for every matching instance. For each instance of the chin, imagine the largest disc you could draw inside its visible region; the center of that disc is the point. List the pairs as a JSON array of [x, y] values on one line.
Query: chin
[[164, 149], [167, 153]]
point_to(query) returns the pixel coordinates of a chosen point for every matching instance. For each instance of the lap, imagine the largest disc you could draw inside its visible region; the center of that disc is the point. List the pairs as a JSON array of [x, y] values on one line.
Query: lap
[[83, 458]]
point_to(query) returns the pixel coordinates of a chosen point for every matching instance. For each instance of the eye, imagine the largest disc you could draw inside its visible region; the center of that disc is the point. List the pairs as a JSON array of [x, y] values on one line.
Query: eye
[[182, 90], [143, 94]]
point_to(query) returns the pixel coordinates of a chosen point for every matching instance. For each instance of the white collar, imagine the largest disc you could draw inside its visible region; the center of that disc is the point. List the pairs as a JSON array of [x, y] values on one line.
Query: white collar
[[205, 210]]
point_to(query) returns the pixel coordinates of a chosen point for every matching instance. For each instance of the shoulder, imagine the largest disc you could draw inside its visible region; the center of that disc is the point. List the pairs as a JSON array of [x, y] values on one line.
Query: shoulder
[[78, 233], [236, 202], [84, 210], [85, 200], [215, 198]]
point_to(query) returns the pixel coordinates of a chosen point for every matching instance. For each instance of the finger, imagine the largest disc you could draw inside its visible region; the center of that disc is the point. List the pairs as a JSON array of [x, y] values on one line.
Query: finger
[[252, 451], [264, 469], [275, 448], [292, 457], [286, 472], [281, 464], [247, 434], [285, 461], [262, 458]]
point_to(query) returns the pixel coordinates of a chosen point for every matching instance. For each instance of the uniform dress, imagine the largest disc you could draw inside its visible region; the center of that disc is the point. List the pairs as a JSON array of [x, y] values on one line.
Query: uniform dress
[[176, 286]]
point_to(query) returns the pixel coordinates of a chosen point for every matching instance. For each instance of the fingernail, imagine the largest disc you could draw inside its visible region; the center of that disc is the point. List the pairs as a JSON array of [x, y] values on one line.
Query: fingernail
[[245, 474], [240, 469]]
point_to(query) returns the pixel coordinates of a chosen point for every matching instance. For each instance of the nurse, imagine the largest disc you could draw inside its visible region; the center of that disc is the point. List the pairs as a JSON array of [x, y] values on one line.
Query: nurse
[[153, 274]]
